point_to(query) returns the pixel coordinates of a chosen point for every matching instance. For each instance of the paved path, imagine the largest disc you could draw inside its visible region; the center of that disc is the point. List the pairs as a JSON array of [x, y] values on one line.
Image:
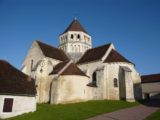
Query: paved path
[[139, 112]]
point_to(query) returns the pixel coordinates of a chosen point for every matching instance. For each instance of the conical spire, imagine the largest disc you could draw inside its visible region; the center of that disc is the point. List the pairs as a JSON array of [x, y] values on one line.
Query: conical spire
[[75, 26]]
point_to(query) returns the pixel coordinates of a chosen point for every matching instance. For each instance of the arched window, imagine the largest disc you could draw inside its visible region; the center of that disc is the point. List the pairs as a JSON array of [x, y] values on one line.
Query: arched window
[[78, 36], [115, 82], [94, 78], [31, 64], [72, 36]]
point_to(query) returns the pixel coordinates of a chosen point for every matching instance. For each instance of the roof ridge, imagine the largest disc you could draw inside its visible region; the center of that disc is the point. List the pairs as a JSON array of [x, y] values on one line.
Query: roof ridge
[[151, 74], [75, 66], [102, 45], [47, 44], [13, 67], [65, 67], [51, 51], [5, 61], [115, 56]]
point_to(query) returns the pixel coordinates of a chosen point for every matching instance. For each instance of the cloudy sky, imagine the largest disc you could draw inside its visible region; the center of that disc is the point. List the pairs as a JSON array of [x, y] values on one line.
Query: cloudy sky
[[132, 25]]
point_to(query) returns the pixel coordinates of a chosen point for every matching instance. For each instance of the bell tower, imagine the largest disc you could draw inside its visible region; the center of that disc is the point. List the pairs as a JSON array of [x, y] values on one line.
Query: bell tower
[[74, 41]]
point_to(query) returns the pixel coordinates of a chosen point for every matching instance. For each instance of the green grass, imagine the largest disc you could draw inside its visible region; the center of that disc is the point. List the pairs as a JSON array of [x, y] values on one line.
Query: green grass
[[75, 111], [154, 116]]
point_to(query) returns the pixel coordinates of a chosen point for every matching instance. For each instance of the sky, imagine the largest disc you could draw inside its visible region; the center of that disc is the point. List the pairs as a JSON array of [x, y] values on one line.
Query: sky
[[133, 26]]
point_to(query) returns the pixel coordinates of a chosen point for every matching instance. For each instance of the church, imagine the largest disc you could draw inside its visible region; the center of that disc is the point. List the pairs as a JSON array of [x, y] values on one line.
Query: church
[[74, 71]]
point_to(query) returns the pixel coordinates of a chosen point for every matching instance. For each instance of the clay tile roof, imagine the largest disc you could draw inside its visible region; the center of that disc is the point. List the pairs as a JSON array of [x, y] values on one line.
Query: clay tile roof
[[114, 56], [72, 69], [52, 52], [94, 54], [13, 81], [58, 67], [75, 26], [150, 78]]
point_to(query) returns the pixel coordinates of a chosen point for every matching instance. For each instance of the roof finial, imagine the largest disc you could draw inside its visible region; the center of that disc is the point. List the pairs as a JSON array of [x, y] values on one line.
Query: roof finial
[[75, 18]]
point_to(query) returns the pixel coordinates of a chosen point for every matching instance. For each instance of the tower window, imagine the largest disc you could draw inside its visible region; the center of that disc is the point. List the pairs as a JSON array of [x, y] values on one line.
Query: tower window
[[72, 36], [78, 36]]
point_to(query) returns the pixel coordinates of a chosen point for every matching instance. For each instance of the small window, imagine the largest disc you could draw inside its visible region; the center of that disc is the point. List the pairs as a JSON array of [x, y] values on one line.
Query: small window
[[94, 78], [8, 104], [72, 36], [32, 65], [115, 82], [78, 36]]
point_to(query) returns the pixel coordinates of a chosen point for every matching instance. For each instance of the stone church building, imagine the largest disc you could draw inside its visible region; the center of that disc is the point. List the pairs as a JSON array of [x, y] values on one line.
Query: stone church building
[[76, 72]]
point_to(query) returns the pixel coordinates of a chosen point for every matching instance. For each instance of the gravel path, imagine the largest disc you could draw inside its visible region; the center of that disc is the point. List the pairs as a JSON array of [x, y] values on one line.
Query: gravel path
[[139, 112]]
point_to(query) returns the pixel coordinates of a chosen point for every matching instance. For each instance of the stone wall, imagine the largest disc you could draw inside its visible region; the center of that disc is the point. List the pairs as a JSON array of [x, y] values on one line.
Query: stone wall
[[69, 88], [151, 87], [114, 71], [33, 56], [43, 79]]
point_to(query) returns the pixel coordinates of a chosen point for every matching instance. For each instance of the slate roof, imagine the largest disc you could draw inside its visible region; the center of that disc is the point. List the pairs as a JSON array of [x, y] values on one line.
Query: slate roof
[[75, 26], [150, 78], [94, 54], [72, 69], [52, 52], [13, 81], [115, 56]]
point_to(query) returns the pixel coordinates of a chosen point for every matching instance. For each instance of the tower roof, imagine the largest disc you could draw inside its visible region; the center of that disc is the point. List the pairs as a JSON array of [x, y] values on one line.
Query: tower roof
[[75, 26]]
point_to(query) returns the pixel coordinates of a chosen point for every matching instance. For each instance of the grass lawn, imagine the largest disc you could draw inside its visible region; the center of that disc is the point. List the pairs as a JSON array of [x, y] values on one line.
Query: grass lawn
[[154, 116], [74, 111]]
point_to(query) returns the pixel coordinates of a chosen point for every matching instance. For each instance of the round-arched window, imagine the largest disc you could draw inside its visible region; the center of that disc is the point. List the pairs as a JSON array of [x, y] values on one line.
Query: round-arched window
[[72, 36], [78, 36]]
